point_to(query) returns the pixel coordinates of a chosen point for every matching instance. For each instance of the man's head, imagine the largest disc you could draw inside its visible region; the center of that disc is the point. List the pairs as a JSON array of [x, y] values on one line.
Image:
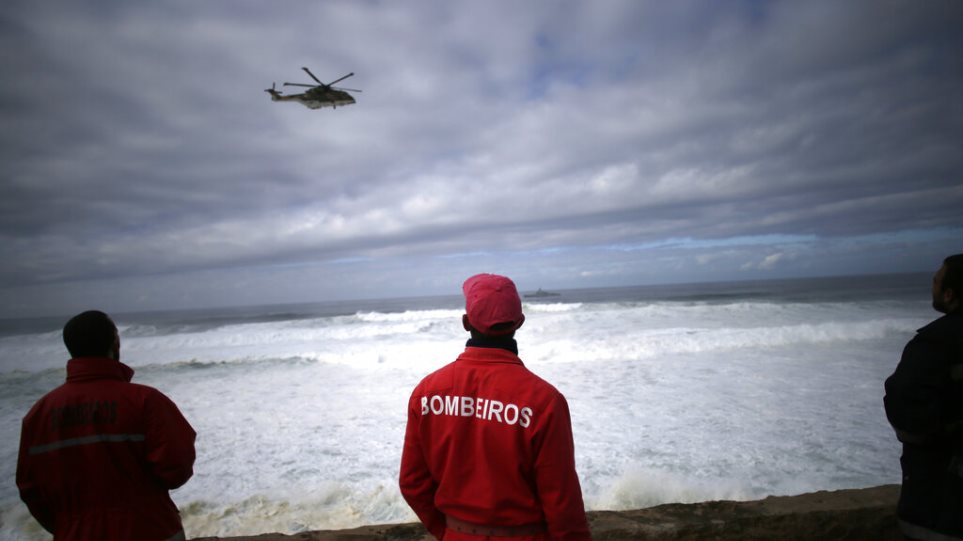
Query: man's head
[[948, 285], [492, 305], [92, 334]]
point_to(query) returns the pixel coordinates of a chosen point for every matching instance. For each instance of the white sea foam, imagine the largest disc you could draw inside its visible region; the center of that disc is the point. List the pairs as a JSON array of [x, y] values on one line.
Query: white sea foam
[[552, 307], [300, 421]]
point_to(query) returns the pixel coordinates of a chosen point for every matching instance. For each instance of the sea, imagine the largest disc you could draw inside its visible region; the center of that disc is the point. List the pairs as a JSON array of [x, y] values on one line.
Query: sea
[[678, 393]]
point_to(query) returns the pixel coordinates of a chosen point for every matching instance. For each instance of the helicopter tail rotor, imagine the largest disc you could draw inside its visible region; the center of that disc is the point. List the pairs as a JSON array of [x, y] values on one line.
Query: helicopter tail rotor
[[273, 92]]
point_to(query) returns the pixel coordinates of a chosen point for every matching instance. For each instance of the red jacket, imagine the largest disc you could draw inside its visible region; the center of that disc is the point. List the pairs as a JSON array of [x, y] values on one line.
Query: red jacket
[[98, 455], [490, 443]]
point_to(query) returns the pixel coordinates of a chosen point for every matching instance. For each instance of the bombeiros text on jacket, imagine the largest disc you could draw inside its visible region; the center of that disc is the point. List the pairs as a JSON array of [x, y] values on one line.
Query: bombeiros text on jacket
[[479, 408]]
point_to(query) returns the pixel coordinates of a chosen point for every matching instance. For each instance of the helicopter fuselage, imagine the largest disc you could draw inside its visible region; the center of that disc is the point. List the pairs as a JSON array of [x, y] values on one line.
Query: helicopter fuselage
[[315, 98]]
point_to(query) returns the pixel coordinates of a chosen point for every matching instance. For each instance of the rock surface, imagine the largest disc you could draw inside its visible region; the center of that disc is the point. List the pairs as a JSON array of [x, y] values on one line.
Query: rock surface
[[857, 514]]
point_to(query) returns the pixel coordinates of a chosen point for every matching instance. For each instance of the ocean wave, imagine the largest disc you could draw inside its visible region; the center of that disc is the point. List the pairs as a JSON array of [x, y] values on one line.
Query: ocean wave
[[16, 524], [331, 506], [407, 316], [553, 307], [638, 488], [239, 362], [606, 331], [628, 343]]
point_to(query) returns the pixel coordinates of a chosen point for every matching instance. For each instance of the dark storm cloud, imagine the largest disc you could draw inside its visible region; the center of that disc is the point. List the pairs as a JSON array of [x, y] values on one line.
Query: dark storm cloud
[[139, 141]]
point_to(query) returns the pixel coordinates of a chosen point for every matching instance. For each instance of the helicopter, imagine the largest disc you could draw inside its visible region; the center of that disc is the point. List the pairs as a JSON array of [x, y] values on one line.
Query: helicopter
[[319, 95]]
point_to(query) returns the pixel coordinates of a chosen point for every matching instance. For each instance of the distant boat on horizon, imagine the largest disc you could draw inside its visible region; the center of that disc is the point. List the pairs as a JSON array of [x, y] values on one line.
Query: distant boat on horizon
[[541, 293]]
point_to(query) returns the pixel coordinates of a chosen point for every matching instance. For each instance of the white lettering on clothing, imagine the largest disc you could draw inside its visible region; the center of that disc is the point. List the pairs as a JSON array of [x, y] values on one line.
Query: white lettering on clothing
[[441, 405], [485, 409], [514, 409], [480, 405], [495, 410], [526, 417], [451, 405]]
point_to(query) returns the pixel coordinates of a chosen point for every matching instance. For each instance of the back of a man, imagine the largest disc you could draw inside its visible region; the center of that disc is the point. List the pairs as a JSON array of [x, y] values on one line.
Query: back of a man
[[99, 454], [489, 448], [924, 404]]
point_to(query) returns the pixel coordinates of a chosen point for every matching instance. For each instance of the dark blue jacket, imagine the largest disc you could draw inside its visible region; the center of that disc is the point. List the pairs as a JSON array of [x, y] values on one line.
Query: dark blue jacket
[[924, 404]]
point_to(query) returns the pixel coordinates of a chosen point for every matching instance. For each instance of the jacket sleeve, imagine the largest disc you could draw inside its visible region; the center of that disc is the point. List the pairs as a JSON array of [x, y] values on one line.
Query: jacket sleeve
[[415, 481], [556, 479], [915, 390], [169, 441], [26, 483]]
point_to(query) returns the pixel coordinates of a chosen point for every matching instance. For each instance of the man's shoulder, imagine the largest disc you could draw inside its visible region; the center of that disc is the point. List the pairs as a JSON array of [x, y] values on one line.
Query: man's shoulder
[[103, 389], [136, 390], [538, 383], [947, 328], [151, 396], [46, 401]]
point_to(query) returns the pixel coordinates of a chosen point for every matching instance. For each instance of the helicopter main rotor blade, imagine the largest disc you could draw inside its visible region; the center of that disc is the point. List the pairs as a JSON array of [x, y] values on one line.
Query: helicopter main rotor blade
[[306, 70], [348, 89], [341, 79], [300, 84]]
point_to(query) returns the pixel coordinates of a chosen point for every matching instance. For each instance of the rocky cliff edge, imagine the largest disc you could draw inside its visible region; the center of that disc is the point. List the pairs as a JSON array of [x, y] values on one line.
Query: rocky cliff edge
[[856, 514]]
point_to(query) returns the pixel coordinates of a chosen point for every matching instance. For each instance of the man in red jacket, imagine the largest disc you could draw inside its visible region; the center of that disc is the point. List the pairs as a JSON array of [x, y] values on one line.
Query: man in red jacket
[[99, 454], [488, 447]]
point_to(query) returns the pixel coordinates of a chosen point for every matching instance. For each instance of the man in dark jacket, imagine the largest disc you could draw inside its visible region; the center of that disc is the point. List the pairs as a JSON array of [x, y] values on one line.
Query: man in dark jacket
[[99, 454], [924, 403], [488, 448]]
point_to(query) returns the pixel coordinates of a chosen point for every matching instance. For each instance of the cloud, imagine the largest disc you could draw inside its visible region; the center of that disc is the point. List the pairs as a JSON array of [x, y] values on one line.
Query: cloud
[[140, 142], [771, 260]]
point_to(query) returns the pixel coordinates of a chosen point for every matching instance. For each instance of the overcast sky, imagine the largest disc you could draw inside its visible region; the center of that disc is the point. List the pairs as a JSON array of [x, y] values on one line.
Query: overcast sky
[[565, 144]]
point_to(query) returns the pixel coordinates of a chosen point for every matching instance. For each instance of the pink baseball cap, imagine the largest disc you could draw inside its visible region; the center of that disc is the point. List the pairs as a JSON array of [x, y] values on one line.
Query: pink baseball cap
[[492, 300]]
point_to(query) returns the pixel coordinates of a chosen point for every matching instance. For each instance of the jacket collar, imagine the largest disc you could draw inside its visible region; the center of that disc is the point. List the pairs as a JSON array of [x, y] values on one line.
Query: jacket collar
[[508, 344], [91, 368], [489, 355]]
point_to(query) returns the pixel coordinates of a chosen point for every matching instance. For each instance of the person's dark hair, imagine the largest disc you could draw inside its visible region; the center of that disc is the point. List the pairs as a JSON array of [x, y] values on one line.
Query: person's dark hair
[[90, 334], [502, 331], [502, 328], [953, 278]]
